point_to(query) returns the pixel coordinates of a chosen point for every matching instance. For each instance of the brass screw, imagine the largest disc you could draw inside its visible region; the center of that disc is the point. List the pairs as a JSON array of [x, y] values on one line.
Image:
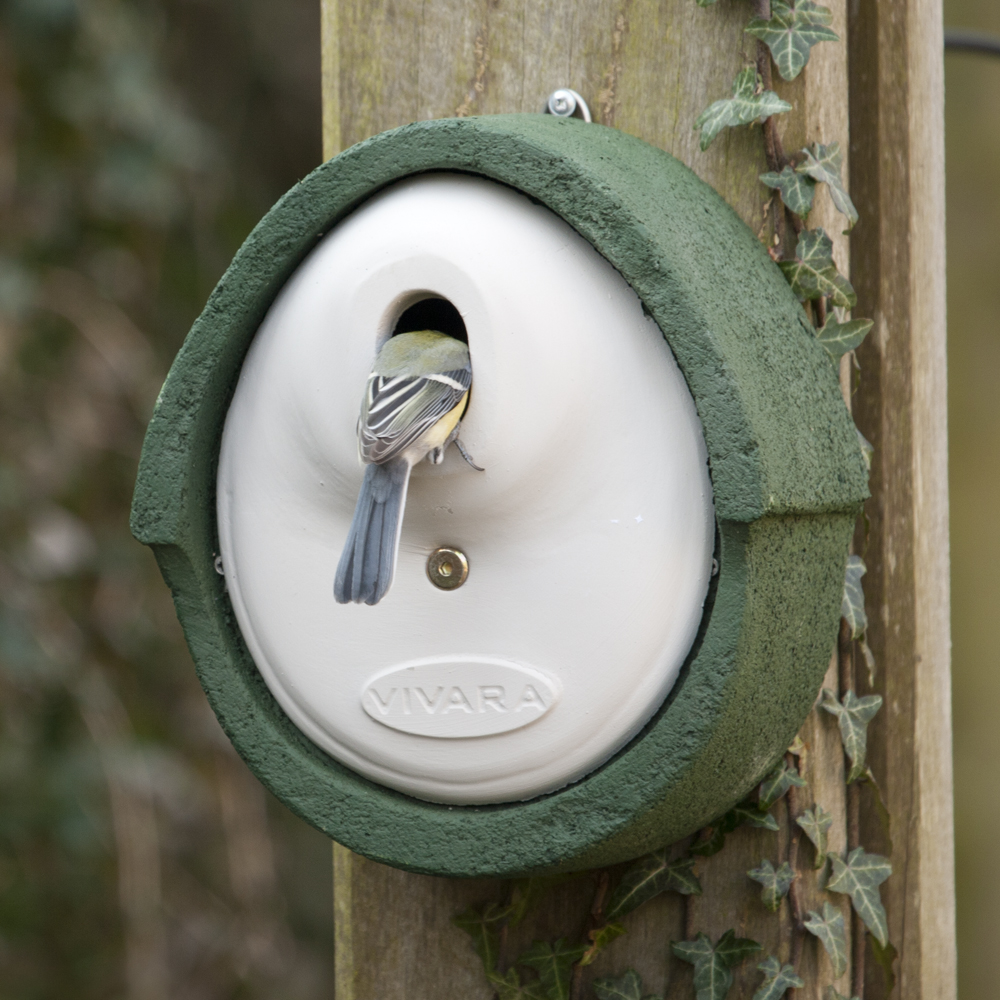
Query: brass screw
[[447, 568]]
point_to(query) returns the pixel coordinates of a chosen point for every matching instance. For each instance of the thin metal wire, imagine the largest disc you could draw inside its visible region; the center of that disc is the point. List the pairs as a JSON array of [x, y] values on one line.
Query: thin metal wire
[[963, 40]]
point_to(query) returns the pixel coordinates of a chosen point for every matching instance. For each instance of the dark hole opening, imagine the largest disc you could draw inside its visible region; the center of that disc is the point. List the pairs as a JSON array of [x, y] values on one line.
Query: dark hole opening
[[433, 314]]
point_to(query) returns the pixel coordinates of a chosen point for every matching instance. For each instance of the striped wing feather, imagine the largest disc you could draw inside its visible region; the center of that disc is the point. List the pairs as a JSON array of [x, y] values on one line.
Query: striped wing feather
[[398, 409]]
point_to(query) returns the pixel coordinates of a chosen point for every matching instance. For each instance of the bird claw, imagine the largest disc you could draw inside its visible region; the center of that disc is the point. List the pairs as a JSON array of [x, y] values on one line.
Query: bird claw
[[467, 456]]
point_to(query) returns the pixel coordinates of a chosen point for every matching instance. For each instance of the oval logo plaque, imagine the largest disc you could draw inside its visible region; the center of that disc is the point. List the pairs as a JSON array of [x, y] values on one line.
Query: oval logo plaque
[[459, 697]]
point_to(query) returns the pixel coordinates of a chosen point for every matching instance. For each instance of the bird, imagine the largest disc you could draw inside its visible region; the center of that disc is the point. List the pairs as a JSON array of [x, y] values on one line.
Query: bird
[[413, 404]]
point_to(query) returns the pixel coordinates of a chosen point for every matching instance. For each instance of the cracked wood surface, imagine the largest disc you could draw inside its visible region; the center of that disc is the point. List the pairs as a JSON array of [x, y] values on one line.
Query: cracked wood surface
[[650, 67]]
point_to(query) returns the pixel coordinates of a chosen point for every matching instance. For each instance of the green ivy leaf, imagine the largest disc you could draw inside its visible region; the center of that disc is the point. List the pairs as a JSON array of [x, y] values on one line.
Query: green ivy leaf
[[776, 883], [823, 164], [750, 814], [777, 783], [650, 876], [711, 844], [554, 965], [712, 977], [749, 103], [705, 3], [483, 927], [796, 190], [867, 449], [627, 987], [881, 809], [832, 994], [778, 979], [832, 932], [853, 716], [816, 824], [600, 938], [791, 33], [852, 604], [869, 657], [813, 274], [732, 950], [508, 987], [859, 877], [746, 813], [839, 338], [885, 957]]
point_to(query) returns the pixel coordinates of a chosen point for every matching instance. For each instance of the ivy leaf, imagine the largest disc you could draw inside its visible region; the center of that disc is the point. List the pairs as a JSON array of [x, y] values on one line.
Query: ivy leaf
[[859, 877], [750, 814], [832, 994], [778, 979], [813, 274], [508, 987], [852, 605], [792, 32], [627, 987], [853, 716], [796, 190], [839, 338], [696, 952], [600, 938], [749, 103], [776, 883], [823, 164], [881, 809], [649, 877], [483, 927], [712, 977], [745, 813], [885, 957], [554, 965], [732, 950], [831, 931], [867, 449], [704, 3], [869, 657], [777, 783], [816, 824], [711, 844]]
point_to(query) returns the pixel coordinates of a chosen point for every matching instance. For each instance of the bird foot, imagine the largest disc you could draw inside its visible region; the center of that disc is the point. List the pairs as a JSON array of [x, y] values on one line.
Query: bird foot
[[467, 456]]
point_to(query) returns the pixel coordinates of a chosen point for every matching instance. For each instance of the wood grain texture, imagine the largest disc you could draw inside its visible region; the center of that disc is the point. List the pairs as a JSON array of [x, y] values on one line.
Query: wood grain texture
[[897, 180], [649, 67]]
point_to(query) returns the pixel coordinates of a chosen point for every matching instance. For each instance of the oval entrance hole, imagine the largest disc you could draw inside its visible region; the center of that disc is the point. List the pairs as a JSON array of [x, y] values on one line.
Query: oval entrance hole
[[433, 314]]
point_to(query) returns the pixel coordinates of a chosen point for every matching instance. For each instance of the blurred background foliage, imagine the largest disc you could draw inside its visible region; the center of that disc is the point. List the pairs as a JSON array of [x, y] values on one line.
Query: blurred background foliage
[[140, 140], [973, 178]]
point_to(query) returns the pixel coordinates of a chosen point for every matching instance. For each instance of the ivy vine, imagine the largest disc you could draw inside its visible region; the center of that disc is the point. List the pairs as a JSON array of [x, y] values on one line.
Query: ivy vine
[[786, 33]]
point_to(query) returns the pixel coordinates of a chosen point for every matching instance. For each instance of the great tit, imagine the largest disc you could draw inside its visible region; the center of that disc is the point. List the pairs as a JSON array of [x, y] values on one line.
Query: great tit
[[412, 407]]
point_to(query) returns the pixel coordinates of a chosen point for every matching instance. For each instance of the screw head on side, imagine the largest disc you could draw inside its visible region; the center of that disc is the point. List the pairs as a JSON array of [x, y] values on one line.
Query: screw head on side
[[566, 103]]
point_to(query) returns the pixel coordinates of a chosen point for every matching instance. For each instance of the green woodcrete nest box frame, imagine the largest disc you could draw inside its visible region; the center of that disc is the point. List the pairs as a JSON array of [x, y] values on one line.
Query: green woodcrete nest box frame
[[655, 553]]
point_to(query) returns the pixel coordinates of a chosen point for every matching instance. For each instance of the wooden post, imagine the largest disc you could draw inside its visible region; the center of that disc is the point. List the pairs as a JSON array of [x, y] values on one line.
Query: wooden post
[[650, 68], [897, 180]]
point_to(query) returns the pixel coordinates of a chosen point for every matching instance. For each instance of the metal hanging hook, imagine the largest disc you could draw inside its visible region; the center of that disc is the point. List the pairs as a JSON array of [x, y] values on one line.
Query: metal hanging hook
[[566, 103]]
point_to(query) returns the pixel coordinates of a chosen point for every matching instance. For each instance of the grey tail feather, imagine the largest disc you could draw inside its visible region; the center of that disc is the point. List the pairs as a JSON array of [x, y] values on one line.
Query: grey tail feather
[[369, 558]]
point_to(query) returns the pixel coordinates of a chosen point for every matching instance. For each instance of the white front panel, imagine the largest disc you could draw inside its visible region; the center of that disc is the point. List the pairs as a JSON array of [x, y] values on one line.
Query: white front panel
[[589, 536]]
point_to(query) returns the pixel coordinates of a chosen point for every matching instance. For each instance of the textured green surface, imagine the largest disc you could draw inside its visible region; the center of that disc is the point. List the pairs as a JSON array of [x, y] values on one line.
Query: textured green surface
[[786, 470]]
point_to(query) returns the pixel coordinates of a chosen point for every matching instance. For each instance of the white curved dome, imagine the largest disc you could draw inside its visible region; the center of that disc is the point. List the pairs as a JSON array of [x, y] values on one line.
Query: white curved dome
[[589, 537]]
